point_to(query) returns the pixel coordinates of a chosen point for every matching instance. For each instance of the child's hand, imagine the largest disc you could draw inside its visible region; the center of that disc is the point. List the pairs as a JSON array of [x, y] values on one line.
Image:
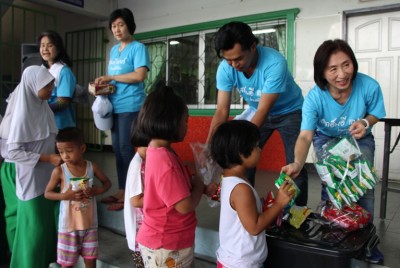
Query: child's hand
[[94, 190], [73, 195], [211, 189], [196, 181], [285, 194]]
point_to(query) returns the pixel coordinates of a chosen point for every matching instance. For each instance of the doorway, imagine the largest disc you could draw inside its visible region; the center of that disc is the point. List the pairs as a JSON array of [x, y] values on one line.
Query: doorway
[[373, 35]]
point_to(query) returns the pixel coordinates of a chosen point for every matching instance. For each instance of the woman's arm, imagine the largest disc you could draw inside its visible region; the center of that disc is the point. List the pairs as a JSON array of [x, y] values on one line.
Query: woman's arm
[[18, 153], [139, 75], [301, 149]]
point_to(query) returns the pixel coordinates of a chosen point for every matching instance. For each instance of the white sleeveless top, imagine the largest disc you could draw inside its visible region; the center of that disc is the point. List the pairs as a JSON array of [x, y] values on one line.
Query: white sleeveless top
[[64, 204], [237, 247]]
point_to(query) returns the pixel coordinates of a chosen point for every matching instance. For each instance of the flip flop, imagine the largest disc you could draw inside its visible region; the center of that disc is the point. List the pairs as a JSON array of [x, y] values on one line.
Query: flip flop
[[109, 199], [119, 205]]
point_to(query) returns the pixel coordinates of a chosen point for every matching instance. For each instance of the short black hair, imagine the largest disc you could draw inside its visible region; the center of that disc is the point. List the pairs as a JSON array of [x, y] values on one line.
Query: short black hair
[[126, 15], [232, 33], [161, 114], [324, 53], [138, 138], [232, 139], [56, 39], [70, 134]]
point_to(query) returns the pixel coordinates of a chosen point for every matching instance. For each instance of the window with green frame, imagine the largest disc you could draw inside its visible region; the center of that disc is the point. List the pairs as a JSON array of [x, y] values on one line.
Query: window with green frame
[[186, 59]]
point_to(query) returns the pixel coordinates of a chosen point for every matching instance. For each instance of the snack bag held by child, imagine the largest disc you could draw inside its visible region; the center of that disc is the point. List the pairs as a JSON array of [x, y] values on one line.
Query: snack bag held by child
[[80, 212], [279, 182], [207, 169]]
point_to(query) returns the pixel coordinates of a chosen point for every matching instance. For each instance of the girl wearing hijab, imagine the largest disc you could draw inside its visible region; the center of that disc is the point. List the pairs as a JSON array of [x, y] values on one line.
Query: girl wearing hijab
[[28, 134]]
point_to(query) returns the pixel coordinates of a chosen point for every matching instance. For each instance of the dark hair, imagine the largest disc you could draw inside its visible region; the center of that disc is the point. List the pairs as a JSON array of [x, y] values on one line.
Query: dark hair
[[138, 138], [234, 32], [124, 14], [161, 115], [56, 39], [70, 134], [322, 56], [232, 139]]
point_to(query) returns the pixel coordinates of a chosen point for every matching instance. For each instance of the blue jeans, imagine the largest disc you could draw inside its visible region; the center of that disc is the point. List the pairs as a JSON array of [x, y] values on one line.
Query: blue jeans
[[121, 144], [288, 126], [367, 147]]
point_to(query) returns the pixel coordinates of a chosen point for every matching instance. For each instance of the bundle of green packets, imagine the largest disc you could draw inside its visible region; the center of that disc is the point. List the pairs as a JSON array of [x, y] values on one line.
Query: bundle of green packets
[[346, 173]]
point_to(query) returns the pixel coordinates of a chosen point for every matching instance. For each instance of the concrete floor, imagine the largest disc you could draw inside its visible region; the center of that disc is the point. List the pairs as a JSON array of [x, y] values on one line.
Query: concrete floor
[[113, 251]]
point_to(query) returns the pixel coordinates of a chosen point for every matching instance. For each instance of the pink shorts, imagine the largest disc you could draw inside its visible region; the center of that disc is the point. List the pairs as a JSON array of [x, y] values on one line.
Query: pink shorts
[[74, 244]]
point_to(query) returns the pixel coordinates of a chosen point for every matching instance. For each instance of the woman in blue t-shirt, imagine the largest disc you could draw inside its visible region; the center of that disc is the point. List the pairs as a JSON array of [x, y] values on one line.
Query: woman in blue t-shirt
[[56, 60], [343, 102], [127, 69]]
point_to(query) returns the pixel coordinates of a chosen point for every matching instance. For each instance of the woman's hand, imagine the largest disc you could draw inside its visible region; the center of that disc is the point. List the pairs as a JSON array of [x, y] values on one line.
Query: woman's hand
[[54, 159], [292, 170], [358, 129], [103, 79]]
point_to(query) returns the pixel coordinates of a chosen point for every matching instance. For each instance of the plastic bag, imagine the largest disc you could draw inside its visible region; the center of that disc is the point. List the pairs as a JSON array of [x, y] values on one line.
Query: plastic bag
[[349, 217], [345, 171], [208, 170]]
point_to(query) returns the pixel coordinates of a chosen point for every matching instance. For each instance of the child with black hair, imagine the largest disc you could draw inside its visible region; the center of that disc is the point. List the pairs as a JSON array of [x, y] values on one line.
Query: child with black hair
[[234, 147], [133, 207], [171, 193], [76, 236]]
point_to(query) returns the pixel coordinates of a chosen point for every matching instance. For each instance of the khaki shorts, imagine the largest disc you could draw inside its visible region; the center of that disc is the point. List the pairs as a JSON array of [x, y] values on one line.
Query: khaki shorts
[[165, 258]]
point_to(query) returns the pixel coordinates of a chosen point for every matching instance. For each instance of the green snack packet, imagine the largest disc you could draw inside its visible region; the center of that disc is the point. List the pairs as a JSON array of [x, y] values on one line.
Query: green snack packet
[[326, 174], [359, 186], [341, 189], [282, 177], [81, 183], [345, 149], [364, 166], [368, 182], [353, 194], [335, 197], [341, 168]]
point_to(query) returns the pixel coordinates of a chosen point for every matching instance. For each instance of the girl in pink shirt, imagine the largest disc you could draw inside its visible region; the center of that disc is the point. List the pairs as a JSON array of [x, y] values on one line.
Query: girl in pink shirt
[[166, 237]]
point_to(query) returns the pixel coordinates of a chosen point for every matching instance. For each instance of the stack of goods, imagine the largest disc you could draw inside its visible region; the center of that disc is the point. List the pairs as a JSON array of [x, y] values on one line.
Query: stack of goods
[[345, 172]]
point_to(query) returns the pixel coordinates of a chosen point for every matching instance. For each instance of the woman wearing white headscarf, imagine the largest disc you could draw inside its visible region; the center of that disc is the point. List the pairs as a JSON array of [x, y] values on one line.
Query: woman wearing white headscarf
[[28, 146]]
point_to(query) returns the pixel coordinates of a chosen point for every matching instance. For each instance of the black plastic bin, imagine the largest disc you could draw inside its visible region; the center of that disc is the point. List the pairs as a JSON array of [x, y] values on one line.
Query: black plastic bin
[[317, 245]]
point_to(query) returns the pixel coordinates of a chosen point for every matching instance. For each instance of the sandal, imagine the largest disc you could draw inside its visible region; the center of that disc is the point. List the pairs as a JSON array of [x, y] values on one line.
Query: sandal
[[119, 205], [108, 200]]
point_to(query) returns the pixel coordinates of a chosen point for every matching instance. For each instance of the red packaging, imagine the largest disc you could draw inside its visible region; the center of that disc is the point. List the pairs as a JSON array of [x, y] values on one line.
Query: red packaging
[[349, 217]]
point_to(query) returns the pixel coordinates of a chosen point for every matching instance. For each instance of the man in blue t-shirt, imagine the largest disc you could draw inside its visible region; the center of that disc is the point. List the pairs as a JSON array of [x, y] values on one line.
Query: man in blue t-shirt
[[261, 76]]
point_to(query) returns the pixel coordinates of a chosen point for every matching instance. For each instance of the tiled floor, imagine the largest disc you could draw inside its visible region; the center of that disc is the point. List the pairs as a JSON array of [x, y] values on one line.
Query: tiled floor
[[113, 246]]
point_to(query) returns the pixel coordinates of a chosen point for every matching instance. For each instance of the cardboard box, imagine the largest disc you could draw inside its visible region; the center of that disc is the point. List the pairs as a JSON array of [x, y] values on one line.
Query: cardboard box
[[103, 89]]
